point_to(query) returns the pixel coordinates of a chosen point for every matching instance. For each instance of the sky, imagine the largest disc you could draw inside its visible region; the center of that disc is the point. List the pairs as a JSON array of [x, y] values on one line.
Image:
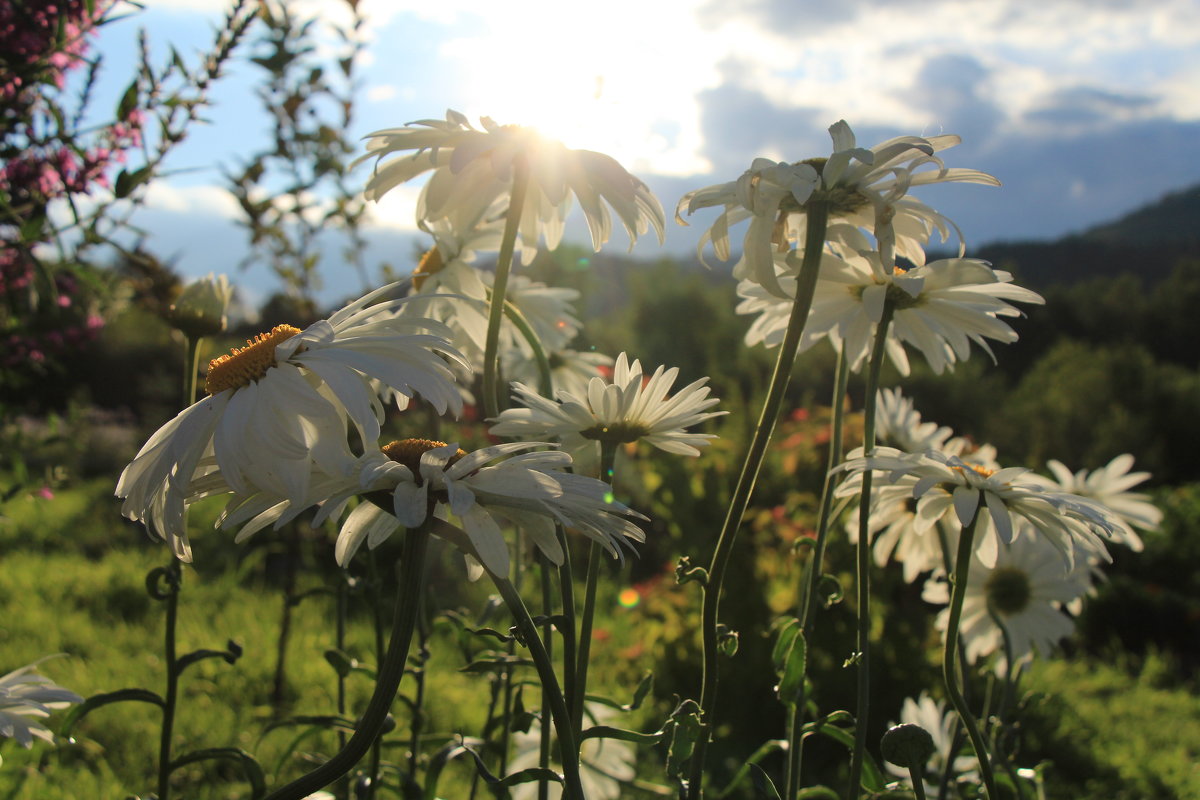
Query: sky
[[1084, 109]]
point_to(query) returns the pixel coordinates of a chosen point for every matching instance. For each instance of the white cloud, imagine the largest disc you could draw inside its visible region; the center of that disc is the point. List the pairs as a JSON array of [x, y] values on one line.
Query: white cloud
[[380, 92], [200, 199]]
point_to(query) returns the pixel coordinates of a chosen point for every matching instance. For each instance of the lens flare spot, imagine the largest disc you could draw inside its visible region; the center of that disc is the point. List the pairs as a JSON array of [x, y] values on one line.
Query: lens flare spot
[[629, 598], [610, 498]]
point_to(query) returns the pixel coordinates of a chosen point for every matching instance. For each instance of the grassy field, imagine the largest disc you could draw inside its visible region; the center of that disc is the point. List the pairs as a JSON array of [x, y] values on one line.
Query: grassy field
[[73, 582]]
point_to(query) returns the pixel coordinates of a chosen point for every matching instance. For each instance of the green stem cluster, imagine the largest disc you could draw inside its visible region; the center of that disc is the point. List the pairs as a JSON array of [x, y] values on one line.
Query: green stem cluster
[[410, 582]]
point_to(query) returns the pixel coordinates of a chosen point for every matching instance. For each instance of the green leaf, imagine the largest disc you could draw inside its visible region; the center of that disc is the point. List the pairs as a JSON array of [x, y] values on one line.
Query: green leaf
[[250, 767], [791, 681], [817, 793], [98, 700], [230, 655], [727, 641], [497, 663], [685, 730], [764, 789], [686, 573], [609, 732], [128, 101], [783, 642], [830, 590], [765, 749], [128, 181]]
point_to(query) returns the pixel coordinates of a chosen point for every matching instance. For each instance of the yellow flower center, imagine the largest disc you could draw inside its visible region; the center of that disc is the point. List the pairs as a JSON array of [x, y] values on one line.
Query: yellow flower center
[[245, 364], [431, 264], [1008, 590], [409, 451], [899, 299], [983, 472]]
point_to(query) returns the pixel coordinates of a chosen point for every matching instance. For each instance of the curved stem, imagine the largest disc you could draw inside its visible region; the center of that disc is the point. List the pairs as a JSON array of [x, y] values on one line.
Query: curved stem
[[491, 350], [573, 788], [391, 670], [806, 284], [608, 456], [863, 558], [962, 566], [545, 381]]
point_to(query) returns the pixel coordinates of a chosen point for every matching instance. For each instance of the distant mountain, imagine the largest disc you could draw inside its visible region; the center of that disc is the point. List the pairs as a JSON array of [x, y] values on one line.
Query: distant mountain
[[1173, 220], [1147, 242]]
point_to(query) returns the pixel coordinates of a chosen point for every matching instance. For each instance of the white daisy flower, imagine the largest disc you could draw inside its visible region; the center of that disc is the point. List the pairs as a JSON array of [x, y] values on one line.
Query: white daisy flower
[[480, 489], [866, 188], [27, 697], [1109, 485], [1027, 589], [939, 308], [947, 484], [630, 408], [606, 766], [284, 402], [471, 168]]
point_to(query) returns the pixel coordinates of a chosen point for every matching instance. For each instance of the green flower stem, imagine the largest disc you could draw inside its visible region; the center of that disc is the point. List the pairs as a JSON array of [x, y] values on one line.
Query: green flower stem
[[808, 605], [566, 586], [608, 457], [962, 567], [916, 772], [491, 349], [191, 369], [548, 643], [863, 553], [545, 382], [806, 284], [573, 787], [173, 575], [410, 583], [837, 427]]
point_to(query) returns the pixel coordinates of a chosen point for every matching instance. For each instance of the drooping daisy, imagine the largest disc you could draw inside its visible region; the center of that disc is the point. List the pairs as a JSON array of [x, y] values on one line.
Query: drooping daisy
[[27, 697], [866, 188], [1027, 589], [627, 409], [472, 167], [1109, 485], [948, 484], [479, 491], [284, 402], [606, 766], [939, 308]]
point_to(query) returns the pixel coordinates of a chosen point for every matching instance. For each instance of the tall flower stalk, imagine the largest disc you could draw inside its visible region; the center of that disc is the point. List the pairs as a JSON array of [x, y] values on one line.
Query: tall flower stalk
[[817, 219], [512, 224], [962, 566], [863, 557]]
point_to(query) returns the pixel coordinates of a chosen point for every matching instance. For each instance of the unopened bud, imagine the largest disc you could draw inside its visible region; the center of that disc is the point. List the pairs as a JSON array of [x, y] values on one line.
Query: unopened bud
[[200, 309]]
